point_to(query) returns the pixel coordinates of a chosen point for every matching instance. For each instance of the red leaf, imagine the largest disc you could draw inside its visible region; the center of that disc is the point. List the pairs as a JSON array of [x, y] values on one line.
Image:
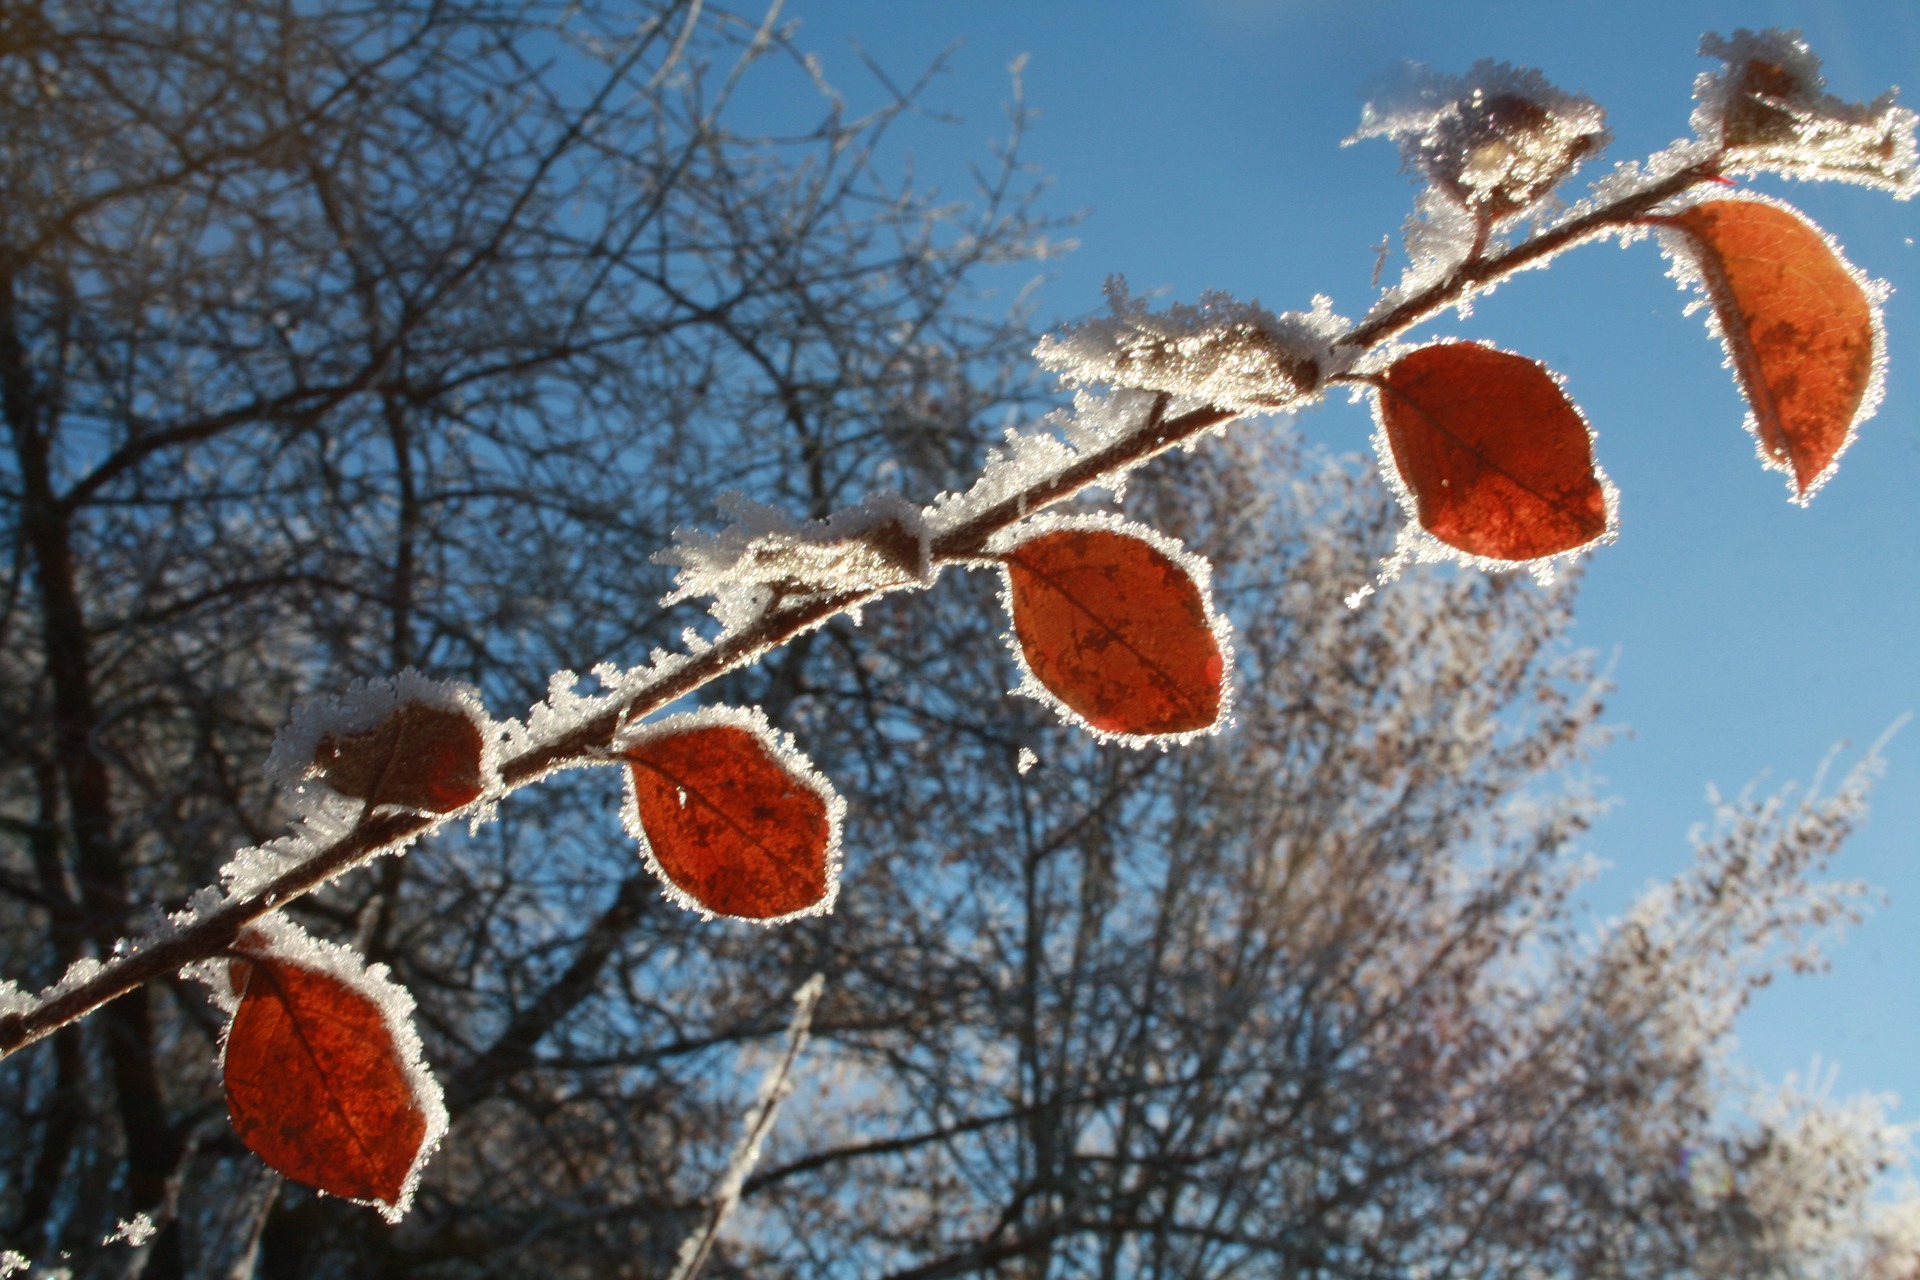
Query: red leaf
[[1117, 630], [1497, 461], [317, 1086], [420, 756], [1798, 324], [737, 824]]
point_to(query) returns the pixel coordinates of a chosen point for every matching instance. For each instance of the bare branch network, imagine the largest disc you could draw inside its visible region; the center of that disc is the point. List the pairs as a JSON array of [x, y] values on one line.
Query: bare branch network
[[1112, 622]]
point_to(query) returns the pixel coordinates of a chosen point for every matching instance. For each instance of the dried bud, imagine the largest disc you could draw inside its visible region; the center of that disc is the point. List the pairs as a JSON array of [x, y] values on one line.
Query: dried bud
[[1496, 141], [1770, 112]]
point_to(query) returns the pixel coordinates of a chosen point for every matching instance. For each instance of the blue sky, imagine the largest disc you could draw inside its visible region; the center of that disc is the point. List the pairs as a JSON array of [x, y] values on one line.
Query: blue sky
[[1749, 637]]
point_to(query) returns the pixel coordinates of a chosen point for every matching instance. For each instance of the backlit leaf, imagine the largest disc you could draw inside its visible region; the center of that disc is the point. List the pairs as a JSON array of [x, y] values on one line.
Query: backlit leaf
[[1117, 629], [1491, 455], [1799, 327], [317, 1085], [732, 818], [421, 756]]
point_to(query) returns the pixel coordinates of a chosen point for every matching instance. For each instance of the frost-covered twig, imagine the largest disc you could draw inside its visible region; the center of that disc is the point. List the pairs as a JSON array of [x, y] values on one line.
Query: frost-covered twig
[[1040, 471], [774, 1088]]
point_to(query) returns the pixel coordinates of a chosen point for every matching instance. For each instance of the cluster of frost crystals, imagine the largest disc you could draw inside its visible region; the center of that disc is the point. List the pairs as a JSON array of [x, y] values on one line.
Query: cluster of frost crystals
[[1495, 141], [1237, 355], [762, 556], [1770, 111]]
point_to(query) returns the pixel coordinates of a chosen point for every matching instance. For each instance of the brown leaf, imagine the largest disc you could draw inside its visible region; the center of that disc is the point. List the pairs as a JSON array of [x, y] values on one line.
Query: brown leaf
[[727, 821], [421, 756], [316, 1086], [1117, 631], [1798, 325], [1497, 461]]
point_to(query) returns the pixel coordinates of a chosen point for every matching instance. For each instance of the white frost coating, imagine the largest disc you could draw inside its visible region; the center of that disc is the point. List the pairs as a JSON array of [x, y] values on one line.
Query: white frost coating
[[762, 556], [13, 1262], [1414, 545], [1769, 109], [276, 937], [1193, 565], [1684, 267], [1237, 355], [1496, 140], [1026, 761], [790, 758], [135, 1231], [14, 999]]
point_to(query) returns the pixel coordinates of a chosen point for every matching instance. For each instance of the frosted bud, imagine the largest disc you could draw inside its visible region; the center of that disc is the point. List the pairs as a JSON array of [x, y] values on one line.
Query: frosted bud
[[1769, 110], [1496, 141]]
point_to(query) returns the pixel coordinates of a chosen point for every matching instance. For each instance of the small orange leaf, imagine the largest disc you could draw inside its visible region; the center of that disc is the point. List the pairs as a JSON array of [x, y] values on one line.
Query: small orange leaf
[[316, 1084], [421, 756], [736, 823], [1496, 460], [1117, 630], [1798, 324]]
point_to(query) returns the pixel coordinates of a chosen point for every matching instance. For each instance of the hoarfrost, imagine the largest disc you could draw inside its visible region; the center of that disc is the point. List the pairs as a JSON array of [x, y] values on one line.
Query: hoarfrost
[[1769, 109], [1026, 761], [1237, 355], [135, 1231], [1496, 141], [276, 937], [762, 557], [13, 1263]]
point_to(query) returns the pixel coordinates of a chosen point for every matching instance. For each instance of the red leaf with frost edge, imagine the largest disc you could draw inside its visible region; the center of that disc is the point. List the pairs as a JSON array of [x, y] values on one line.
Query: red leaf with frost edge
[[1497, 461], [316, 1085], [420, 756], [1117, 630], [737, 825], [1798, 325]]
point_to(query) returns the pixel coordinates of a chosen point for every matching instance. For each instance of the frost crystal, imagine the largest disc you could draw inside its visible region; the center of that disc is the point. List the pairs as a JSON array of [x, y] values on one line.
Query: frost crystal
[[762, 557], [1237, 355], [1770, 112], [135, 1231], [13, 1263], [1495, 140]]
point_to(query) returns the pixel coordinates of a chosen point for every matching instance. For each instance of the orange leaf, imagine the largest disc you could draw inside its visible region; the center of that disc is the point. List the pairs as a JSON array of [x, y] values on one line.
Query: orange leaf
[[1496, 460], [1798, 324], [421, 756], [316, 1085], [1117, 630], [733, 821]]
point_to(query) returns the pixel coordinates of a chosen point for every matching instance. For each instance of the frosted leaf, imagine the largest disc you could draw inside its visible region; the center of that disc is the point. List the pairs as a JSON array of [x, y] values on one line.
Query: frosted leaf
[[1224, 352], [1496, 140], [135, 1231], [274, 937], [1211, 623], [761, 557], [1416, 545], [751, 865], [1769, 109], [303, 747]]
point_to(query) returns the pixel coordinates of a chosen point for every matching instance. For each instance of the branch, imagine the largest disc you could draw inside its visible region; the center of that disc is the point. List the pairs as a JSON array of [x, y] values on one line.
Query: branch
[[589, 742]]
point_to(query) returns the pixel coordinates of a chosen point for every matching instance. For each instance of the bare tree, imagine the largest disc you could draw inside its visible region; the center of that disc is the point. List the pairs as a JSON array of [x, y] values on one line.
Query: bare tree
[[338, 342]]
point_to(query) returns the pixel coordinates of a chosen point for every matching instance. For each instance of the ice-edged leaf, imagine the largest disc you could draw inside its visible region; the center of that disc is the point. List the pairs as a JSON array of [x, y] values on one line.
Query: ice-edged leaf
[[1800, 324], [1114, 627], [732, 817], [324, 1075], [408, 741], [1489, 456]]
